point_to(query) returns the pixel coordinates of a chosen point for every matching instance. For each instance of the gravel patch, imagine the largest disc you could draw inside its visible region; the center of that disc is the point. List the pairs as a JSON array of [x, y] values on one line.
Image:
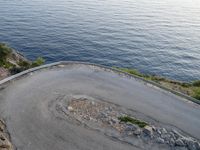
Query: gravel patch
[[106, 117]]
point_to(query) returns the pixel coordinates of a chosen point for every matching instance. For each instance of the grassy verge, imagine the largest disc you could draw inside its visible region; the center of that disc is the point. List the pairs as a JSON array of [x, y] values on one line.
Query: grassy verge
[[126, 119], [191, 89]]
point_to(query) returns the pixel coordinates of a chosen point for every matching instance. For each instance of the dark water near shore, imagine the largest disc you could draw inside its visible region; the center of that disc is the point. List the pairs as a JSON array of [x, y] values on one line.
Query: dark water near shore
[[154, 36]]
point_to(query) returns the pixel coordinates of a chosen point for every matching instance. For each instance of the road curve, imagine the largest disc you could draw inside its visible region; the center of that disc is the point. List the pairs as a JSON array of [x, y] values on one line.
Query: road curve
[[25, 104]]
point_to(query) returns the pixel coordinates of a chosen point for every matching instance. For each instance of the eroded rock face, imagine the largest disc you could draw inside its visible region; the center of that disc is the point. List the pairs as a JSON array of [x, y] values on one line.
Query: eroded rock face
[[3, 73], [5, 144], [104, 117]]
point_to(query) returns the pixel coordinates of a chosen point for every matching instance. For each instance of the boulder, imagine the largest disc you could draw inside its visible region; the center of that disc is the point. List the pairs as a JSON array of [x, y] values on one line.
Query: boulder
[[148, 130], [4, 143], [179, 142], [160, 140]]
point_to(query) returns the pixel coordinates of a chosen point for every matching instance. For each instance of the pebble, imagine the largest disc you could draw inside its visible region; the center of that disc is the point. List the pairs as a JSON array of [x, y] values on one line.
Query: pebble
[[159, 131], [137, 132], [172, 142], [164, 131], [179, 142], [177, 134], [160, 140], [114, 120], [70, 108]]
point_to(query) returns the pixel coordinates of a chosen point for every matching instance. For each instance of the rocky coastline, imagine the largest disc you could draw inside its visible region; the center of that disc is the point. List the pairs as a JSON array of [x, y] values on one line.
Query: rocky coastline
[[12, 62], [110, 119]]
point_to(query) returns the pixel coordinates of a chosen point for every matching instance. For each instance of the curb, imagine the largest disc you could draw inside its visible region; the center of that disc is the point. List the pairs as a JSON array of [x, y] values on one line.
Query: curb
[[101, 66]]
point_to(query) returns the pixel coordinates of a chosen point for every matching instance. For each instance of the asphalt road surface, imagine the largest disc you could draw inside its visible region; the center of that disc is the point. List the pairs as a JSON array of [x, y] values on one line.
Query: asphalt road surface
[[25, 104]]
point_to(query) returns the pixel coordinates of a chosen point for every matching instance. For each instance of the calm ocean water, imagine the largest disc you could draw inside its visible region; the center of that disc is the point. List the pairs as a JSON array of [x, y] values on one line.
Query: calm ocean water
[[154, 36]]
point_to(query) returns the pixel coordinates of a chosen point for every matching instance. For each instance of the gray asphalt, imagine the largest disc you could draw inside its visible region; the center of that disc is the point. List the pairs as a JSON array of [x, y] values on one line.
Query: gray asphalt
[[25, 104]]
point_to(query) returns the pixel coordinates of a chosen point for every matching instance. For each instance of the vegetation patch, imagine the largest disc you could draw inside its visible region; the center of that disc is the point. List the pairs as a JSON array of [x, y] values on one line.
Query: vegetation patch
[[14, 62], [127, 119], [38, 62], [191, 89]]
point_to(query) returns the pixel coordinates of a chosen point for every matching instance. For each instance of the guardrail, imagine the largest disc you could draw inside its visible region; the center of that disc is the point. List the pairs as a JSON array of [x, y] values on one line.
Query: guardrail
[[101, 66]]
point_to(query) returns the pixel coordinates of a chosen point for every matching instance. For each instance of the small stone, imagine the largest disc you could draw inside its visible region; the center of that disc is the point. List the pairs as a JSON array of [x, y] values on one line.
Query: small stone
[[114, 121], [131, 127], [110, 122], [70, 108], [179, 142], [164, 131], [177, 134], [172, 135], [93, 103], [103, 115], [159, 131], [148, 130], [129, 133], [137, 132], [166, 137], [172, 142], [160, 140], [153, 128]]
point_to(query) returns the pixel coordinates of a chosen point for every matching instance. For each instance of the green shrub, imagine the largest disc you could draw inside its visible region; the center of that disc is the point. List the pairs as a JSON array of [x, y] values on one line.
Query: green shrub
[[197, 93], [196, 83], [24, 64], [38, 62], [126, 119], [131, 71], [5, 51]]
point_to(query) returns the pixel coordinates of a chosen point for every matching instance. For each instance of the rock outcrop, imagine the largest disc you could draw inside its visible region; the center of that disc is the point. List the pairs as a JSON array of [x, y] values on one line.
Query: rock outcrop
[[5, 143], [12, 62]]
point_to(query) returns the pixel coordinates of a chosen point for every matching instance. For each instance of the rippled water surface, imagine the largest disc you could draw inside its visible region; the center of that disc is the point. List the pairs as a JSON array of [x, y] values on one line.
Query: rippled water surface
[[154, 36]]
